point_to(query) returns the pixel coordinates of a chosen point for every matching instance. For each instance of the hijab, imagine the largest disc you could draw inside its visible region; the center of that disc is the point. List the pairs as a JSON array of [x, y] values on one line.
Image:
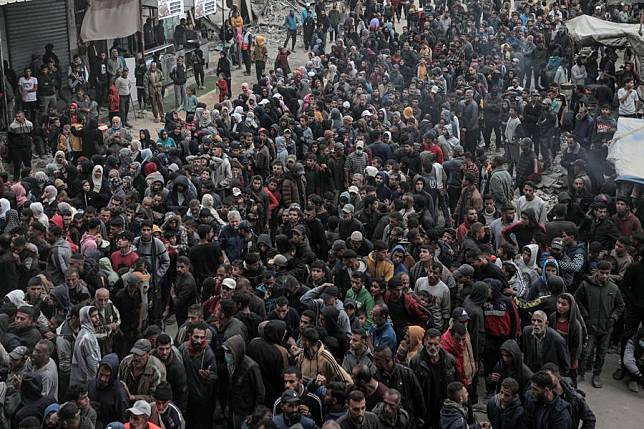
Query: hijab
[[97, 182], [4, 207]]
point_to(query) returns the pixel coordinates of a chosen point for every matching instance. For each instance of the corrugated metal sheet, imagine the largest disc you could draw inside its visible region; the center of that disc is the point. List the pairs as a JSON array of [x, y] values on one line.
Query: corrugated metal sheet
[[33, 24]]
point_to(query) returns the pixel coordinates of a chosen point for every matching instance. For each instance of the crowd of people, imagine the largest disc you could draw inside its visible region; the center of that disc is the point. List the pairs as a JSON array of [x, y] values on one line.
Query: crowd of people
[[356, 242]]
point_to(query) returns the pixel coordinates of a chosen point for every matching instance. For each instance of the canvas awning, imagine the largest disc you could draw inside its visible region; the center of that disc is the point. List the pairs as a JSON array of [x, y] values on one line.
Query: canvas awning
[[587, 30], [4, 2], [625, 150]]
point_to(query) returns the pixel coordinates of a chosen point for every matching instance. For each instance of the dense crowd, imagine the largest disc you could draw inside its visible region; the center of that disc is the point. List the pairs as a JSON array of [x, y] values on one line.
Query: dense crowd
[[356, 242]]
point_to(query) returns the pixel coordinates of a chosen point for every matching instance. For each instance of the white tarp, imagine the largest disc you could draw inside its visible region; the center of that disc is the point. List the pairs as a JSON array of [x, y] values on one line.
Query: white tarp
[[111, 19], [626, 151], [587, 30]]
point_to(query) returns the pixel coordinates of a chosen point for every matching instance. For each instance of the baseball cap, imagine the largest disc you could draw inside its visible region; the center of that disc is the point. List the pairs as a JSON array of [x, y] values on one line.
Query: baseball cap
[[237, 192], [356, 236], [348, 208], [330, 292], [338, 245], [229, 283], [141, 347], [464, 270], [366, 113], [19, 353], [350, 302], [353, 189], [290, 396], [280, 261], [557, 243], [460, 314], [300, 229], [140, 408]]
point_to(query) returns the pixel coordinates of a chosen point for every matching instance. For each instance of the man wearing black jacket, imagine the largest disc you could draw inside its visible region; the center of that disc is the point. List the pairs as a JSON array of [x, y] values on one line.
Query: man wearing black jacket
[[435, 369], [580, 412], [401, 378], [175, 371]]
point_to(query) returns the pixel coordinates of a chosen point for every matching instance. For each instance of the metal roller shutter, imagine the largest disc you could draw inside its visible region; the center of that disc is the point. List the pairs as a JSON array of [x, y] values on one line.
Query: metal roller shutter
[[30, 26]]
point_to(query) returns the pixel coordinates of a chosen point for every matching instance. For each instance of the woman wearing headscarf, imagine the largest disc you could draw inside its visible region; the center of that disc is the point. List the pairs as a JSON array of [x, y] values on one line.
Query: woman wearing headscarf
[[5, 206], [105, 269], [208, 202], [117, 135], [87, 197], [39, 215], [49, 202], [411, 345]]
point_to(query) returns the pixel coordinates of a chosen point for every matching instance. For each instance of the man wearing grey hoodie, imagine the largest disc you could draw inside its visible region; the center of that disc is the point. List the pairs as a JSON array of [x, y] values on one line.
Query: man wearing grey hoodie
[[87, 352]]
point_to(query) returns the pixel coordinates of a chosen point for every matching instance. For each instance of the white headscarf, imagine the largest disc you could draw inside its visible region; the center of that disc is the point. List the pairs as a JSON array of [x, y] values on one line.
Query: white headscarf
[[4, 207]]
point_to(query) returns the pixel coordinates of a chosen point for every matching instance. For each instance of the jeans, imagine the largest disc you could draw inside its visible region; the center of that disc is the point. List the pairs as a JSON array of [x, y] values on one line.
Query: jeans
[[156, 100], [487, 133], [47, 102], [20, 156], [124, 108], [545, 143], [259, 69], [246, 59], [291, 34], [199, 76], [596, 350], [179, 95]]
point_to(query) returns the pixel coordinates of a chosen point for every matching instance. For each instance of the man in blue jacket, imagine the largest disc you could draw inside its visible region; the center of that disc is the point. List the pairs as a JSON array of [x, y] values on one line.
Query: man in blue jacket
[[291, 22]]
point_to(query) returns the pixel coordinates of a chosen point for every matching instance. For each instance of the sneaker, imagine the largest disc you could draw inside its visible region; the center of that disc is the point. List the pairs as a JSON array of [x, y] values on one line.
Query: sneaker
[[596, 382], [634, 386], [618, 374]]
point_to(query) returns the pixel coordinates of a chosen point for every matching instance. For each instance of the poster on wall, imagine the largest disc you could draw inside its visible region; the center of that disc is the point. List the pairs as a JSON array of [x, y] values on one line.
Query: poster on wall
[[169, 8], [205, 7]]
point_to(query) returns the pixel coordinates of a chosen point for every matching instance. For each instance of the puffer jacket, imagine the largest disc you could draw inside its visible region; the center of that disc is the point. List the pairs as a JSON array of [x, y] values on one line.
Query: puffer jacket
[[87, 352]]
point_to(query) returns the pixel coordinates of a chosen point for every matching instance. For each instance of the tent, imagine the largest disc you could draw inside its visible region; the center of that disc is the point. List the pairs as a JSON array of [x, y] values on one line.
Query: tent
[[625, 150], [588, 30]]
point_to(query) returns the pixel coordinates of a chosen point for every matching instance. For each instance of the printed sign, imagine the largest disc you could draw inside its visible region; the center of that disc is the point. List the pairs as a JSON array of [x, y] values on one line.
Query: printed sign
[[169, 8], [205, 7]]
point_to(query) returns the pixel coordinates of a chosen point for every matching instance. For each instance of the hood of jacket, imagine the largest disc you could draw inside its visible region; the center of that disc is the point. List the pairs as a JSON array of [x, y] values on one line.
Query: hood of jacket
[[480, 293], [331, 316], [112, 361], [548, 262], [512, 347], [61, 293], [237, 347], [31, 387], [274, 331], [85, 320], [534, 251]]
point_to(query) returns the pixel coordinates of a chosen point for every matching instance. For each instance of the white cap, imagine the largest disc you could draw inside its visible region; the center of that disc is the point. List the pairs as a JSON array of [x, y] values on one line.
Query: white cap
[[264, 101], [356, 236], [140, 408], [346, 104], [237, 192], [229, 283], [366, 113], [434, 89], [354, 189]]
